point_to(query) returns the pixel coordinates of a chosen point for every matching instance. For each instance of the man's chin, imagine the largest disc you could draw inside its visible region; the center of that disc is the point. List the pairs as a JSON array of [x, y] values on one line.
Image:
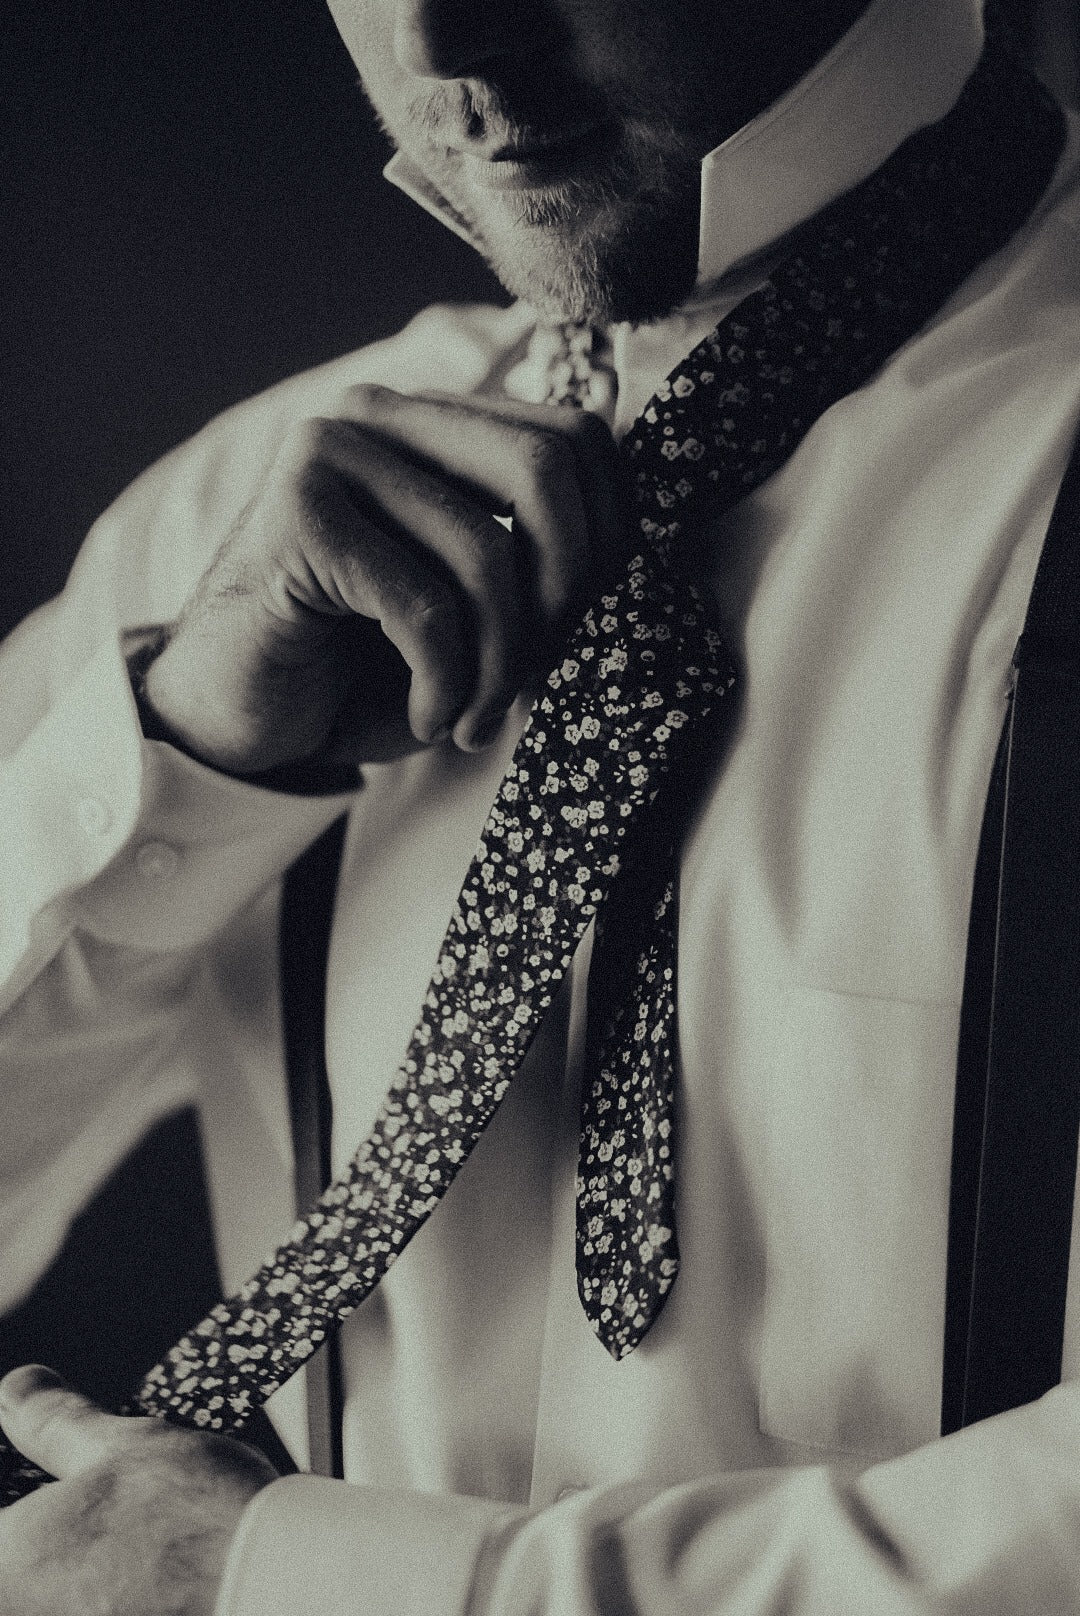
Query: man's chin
[[583, 253], [599, 277]]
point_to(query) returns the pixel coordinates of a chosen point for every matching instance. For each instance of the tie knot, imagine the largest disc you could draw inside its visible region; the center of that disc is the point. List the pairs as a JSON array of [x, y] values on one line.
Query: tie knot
[[567, 363]]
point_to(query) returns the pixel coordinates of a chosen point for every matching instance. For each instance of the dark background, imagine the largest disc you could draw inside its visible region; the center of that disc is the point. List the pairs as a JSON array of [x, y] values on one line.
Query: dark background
[[194, 208]]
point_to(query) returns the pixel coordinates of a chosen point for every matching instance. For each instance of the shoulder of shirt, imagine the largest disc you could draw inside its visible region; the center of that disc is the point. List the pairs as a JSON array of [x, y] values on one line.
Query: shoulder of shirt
[[1042, 263]]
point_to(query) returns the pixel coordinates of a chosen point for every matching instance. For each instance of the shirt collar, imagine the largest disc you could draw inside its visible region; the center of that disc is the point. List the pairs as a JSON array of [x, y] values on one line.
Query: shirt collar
[[900, 66]]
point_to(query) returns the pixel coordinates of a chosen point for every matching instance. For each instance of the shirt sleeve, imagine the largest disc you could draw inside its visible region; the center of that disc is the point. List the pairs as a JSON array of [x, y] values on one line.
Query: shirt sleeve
[[87, 807], [985, 1522], [122, 861], [101, 828], [124, 864], [138, 888], [129, 840]]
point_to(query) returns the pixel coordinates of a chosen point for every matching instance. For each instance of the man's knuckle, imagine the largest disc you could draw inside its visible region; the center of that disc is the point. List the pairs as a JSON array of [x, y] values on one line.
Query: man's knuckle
[[475, 544], [335, 437], [315, 499], [490, 563], [433, 613], [97, 1492], [546, 459], [454, 520], [306, 442], [56, 1414], [368, 400]]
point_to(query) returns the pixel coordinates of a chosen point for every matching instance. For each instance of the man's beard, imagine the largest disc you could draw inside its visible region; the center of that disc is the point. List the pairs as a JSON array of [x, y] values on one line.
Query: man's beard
[[590, 252], [619, 242]]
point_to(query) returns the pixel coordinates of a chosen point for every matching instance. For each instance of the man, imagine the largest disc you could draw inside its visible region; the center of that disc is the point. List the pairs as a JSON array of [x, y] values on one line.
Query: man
[[335, 587]]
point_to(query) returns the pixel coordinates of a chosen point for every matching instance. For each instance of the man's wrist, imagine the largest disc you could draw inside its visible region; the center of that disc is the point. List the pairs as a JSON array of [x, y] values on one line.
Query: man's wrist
[[309, 777]]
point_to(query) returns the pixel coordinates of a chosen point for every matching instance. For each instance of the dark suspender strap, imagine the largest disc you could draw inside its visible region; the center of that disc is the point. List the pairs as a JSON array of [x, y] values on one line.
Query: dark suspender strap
[[307, 910], [1018, 1078]]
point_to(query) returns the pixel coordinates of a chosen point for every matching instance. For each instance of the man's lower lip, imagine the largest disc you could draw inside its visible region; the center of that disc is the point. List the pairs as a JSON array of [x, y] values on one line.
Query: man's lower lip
[[540, 169]]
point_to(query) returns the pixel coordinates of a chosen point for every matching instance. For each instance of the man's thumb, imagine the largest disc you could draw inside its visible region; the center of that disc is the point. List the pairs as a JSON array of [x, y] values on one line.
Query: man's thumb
[[53, 1426]]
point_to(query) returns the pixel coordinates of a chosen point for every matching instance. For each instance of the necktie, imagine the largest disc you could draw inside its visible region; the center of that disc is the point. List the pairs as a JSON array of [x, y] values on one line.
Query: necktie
[[587, 820]]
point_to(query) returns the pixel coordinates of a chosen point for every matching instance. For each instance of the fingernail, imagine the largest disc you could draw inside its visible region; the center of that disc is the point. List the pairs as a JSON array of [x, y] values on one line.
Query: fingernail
[[23, 1382]]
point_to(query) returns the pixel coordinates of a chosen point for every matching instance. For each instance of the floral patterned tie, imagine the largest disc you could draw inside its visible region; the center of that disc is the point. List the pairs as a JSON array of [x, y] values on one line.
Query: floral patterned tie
[[587, 820]]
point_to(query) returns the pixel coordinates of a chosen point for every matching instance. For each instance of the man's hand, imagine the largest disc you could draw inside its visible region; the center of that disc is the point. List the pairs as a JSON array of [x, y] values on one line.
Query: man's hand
[[138, 1522], [368, 601]]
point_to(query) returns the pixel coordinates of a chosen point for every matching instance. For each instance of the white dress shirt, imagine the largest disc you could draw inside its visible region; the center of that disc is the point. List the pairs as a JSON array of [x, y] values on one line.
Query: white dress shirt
[[773, 1440]]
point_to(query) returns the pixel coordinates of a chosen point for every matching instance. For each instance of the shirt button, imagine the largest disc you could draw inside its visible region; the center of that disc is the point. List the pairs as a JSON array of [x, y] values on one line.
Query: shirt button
[[94, 816], [157, 861]]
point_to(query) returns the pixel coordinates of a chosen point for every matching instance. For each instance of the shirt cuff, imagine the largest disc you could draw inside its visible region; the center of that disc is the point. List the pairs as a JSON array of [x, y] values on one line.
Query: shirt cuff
[[988, 1518], [155, 849], [202, 845], [328, 1548]]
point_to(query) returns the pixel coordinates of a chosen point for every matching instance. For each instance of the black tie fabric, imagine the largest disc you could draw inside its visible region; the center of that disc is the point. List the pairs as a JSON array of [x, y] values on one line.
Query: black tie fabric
[[589, 812]]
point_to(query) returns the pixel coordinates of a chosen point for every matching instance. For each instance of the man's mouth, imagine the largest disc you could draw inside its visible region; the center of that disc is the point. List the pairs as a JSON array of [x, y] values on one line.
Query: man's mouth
[[535, 161]]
